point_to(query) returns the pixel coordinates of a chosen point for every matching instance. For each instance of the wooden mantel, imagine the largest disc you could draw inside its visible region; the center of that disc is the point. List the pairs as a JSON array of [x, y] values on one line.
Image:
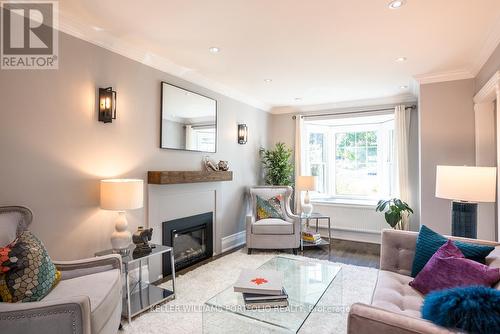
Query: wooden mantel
[[177, 177]]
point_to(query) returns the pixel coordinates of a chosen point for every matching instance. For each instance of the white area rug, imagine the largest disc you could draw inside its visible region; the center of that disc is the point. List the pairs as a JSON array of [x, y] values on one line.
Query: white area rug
[[199, 285]]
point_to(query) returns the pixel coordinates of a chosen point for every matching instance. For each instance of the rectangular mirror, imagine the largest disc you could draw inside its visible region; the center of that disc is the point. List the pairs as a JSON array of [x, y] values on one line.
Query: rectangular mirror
[[188, 120]]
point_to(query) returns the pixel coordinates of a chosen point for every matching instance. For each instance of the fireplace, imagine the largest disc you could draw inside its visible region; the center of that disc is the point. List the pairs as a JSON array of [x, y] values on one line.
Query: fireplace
[[191, 238]]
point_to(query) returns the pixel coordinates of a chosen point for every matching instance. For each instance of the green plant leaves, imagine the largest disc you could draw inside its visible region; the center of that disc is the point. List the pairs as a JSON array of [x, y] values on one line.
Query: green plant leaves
[[396, 210], [278, 165]]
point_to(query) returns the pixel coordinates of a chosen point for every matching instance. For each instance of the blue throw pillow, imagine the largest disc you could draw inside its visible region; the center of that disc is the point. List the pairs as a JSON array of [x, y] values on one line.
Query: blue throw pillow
[[428, 242], [474, 309]]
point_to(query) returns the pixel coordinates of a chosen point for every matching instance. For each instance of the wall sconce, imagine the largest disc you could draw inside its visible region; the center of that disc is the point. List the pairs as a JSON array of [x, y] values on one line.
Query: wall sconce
[[242, 134], [107, 105]]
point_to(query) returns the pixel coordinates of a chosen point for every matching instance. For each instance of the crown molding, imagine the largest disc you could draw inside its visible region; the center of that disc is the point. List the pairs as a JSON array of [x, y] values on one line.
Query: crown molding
[[443, 76], [488, 92], [113, 44], [346, 105]]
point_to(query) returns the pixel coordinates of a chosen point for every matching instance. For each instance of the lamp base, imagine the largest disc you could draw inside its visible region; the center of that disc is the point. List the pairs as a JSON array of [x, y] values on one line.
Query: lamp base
[[464, 220], [121, 238], [307, 208]]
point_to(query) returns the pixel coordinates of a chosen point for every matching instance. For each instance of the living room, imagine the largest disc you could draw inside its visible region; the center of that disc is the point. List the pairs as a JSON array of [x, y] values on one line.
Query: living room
[[155, 156]]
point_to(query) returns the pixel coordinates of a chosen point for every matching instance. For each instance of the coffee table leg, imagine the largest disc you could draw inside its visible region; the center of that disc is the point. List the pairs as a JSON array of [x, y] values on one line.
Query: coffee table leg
[[329, 238], [173, 270]]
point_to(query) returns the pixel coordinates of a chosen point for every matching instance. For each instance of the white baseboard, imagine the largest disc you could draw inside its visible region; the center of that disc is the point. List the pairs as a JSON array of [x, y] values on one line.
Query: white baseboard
[[233, 241]]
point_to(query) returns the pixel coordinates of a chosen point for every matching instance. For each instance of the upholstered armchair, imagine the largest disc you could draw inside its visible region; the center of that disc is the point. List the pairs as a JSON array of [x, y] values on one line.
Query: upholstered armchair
[[87, 300], [272, 233]]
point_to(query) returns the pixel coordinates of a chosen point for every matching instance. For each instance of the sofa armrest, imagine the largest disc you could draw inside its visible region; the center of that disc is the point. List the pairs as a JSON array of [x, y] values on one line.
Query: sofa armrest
[[364, 319], [397, 251], [77, 268], [66, 316]]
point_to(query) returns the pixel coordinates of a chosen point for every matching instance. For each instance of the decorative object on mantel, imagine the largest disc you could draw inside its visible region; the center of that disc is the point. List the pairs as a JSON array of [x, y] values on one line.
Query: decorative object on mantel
[[141, 239], [209, 165], [398, 212], [107, 105], [120, 195], [178, 177], [223, 165], [465, 186], [278, 165], [242, 134], [307, 183]]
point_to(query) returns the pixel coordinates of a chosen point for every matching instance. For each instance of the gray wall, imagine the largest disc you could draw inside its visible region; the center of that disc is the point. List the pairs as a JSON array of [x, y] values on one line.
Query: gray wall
[[488, 69], [283, 130], [54, 151], [446, 138]]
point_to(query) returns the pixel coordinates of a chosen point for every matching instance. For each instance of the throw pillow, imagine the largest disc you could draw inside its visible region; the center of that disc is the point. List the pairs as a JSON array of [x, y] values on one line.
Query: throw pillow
[[448, 268], [474, 309], [428, 242], [269, 208], [26, 272]]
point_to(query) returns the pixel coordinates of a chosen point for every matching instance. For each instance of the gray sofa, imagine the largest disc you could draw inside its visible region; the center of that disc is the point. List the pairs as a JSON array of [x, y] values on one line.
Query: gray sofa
[[87, 300], [395, 306], [272, 233]]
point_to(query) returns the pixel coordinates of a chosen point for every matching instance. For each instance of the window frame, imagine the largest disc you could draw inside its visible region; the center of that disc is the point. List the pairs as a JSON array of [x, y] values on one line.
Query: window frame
[[385, 159]]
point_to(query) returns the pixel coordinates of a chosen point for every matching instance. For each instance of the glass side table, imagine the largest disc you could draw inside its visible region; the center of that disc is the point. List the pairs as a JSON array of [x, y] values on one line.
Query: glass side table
[[317, 216], [142, 295]]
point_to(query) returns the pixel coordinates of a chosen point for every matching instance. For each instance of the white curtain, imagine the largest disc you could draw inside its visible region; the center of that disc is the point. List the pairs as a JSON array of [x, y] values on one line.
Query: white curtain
[[401, 140], [299, 125], [190, 144]]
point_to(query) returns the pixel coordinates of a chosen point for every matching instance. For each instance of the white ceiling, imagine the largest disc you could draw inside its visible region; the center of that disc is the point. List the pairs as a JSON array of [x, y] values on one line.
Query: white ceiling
[[322, 51]]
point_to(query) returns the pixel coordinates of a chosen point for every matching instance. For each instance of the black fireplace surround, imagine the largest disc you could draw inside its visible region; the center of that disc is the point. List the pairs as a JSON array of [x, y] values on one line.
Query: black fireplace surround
[[192, 240]]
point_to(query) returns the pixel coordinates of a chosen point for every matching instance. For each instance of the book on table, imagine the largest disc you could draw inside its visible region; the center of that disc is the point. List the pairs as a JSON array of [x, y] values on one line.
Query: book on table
[[311, 237], [255, 297], [266, 304], [263, 282]]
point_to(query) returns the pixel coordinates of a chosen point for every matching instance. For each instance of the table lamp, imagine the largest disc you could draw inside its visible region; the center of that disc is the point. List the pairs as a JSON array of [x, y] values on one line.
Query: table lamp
[[465, 186], [120, 195], [307, 183]]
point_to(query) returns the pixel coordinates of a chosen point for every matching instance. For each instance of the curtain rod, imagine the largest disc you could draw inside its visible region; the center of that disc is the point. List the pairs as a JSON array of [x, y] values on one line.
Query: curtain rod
[[353, 112]]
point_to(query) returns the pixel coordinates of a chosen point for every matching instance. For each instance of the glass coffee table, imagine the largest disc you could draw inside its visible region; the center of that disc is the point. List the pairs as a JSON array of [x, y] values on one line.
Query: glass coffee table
[[305, 282]]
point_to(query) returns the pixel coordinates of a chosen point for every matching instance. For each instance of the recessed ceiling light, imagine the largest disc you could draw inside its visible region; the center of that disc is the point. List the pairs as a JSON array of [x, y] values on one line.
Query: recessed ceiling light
[[401, 59], [403, 87], [214, 49], [395, 4], [268, 80], [298, 99]]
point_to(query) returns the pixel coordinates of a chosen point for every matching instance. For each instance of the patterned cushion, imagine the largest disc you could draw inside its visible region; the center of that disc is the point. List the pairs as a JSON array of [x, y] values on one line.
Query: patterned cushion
[[270, 208], [26, 272], [428, 242]]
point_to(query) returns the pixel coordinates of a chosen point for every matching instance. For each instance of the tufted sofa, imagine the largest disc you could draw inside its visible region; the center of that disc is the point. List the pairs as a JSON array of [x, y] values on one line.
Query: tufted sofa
[[395, 306]]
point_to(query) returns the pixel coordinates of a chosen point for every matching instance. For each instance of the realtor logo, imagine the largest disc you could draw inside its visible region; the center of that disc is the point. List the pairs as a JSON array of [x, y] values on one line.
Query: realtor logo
[[29, 35]]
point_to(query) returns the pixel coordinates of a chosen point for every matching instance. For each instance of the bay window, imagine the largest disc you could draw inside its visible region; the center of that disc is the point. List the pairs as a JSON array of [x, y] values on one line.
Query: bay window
[[353, 157]]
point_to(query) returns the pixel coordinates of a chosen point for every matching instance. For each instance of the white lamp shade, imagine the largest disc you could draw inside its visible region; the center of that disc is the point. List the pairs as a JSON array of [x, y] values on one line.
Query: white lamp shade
[[122, 194], [470, 184], [307, 183]]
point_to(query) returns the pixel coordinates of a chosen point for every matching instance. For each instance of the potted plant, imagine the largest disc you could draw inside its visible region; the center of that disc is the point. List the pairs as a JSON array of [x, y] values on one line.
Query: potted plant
[[278, 165], [395, 211]]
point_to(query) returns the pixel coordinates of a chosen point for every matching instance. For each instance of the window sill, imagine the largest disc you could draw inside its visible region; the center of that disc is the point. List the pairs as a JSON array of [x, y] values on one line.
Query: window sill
[[345, 202]]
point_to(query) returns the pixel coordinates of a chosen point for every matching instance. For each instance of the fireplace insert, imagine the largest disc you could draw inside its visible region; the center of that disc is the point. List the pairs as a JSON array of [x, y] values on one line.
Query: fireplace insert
[[191, 239]]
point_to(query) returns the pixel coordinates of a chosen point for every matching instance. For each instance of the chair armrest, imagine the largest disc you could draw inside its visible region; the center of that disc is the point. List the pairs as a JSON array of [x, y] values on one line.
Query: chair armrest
[[66, 316], [397, 251], [365, 319], [71, 269]]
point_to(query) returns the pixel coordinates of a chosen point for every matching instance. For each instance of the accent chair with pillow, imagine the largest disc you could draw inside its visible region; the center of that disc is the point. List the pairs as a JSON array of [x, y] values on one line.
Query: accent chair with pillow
[[86, 299], [396, 306], [271, 223]]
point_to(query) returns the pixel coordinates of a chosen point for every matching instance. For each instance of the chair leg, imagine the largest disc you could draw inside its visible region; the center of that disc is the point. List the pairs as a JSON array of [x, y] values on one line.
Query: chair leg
[[120, 328], [249, 251], [294, 250]]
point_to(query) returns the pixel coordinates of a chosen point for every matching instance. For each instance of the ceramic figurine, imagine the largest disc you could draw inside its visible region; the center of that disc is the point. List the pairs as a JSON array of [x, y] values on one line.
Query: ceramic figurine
[[209, 165], [141, 239], [223, 165]]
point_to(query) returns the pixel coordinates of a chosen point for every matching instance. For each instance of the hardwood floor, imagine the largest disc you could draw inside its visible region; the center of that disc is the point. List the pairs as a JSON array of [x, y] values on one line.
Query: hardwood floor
[[343, 251]]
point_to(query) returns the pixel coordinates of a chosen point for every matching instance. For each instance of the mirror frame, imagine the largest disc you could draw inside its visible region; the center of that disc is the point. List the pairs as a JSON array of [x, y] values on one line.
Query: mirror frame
[[161, 119]]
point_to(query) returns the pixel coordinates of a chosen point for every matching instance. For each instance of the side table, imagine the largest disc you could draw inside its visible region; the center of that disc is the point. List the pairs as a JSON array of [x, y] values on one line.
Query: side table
[[317, 216], [143, 295]]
